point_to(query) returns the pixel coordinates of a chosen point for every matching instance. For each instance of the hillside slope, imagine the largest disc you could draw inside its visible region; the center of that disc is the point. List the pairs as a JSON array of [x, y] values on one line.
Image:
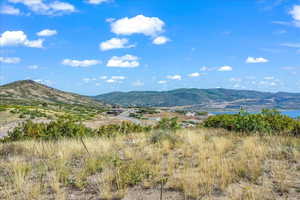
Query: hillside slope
[[203, 97], [30, 92]]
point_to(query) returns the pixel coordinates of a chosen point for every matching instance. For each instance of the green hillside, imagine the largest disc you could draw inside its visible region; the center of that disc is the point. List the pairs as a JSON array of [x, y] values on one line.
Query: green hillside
[[202, 97]]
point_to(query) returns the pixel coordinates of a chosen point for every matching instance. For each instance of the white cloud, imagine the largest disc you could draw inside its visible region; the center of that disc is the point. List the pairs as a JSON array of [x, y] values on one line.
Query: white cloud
[[33, 67], [256, 60], [80, 63], [118, 77], [10, 60], [53, 8], [9, 10], [225, 69], [87, 80], [291, 45], [111, 81], [115, 43], [204, 68], [235, 80], [19, 38], [103, 77], [281, 23], [269, 78], [162, 82], [149, 26], [138, 83], [160, 40], [295, 12], [62, 6], [196, 74], [96, 2], [174, 77], [47, 32], [127, 61], [45, 82], [110, 19]]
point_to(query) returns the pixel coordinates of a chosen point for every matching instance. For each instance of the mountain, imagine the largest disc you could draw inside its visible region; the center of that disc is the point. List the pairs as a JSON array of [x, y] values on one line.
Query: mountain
[[30, 92], [204, 98]]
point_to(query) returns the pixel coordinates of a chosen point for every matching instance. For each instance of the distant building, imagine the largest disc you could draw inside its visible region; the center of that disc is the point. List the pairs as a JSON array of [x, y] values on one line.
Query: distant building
[[114, 111], [190, 114]]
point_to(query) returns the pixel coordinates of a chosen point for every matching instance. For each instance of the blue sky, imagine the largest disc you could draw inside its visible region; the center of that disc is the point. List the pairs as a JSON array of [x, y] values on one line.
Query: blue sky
[[97, 46]]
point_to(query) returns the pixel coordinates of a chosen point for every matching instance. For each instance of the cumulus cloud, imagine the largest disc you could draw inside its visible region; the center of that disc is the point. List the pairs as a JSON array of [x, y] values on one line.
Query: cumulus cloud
[[80, 63], [127, 61], [96, 2], [162, 82], [256, 60], [295, 12], [140, 24], [52, 8], [160, 40], [116, 79], [9, 10], [196, 74], [174, 77], [47, 32], [19, 38], [225, 68], [111, 81], [115, 43], [10, 60]]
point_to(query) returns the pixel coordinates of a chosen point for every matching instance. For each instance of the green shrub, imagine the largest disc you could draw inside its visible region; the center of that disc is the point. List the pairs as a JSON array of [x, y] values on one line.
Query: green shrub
[[161, 135], [63, 127], [168, 124], [68, 127], [113, 130], [267, 122]]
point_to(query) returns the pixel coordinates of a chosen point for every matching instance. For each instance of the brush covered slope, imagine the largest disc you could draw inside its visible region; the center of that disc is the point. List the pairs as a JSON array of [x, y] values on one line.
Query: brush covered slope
[[30, 92], [218, 98]]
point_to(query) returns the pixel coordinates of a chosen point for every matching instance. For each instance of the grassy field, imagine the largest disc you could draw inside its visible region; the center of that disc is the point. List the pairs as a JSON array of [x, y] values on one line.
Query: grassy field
[[190, 164]]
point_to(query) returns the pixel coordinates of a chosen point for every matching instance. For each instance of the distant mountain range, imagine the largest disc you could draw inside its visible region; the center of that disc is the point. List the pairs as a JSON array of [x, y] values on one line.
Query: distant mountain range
[[30, 92], [205, 99]]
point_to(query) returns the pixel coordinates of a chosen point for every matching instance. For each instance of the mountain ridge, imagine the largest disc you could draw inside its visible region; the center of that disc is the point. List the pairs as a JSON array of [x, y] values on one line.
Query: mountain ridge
[[29, 91], [195, 96]]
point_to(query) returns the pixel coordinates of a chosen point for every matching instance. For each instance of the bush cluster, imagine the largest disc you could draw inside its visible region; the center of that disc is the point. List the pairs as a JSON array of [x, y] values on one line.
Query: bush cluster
[[68, 127], [113, 130], [265, 122], [61, 128], [28, 112]]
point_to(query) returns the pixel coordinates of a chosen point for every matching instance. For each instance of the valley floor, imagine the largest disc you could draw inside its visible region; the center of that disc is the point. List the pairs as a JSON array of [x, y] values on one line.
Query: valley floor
[[190, 164]]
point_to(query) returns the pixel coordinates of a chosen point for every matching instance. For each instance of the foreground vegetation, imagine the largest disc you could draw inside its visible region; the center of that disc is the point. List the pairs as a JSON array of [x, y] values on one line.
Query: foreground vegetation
[[257, 157], [199, 163], [268, 122]]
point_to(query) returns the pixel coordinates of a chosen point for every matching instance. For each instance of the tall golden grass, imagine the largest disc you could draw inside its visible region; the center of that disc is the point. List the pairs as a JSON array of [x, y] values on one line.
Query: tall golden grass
[[198, 163]]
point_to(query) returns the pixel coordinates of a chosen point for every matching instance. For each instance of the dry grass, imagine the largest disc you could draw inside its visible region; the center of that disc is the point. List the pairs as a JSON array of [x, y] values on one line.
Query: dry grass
[[208, 164]]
